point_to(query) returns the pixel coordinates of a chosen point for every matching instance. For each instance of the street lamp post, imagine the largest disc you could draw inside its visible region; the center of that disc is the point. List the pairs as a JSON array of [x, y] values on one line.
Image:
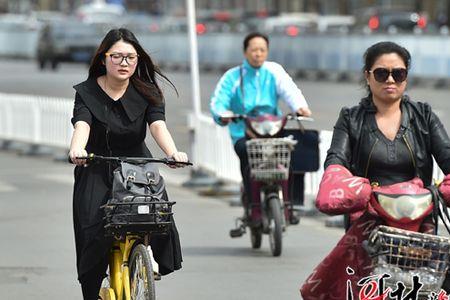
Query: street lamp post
[[198, 178], [194, 57]]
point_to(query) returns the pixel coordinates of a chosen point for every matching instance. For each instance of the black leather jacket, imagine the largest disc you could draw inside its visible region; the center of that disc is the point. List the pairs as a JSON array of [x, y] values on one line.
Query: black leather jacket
[[354, 138]]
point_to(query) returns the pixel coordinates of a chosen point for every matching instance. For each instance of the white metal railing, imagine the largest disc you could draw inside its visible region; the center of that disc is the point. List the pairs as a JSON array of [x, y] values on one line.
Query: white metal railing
[[213, 149], [214, 152], [36, 119], [323, 52], [46, 121]]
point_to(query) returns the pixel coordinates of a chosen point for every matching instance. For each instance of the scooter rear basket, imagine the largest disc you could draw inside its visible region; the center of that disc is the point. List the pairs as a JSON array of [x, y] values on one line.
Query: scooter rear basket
[[403, 254], [269, 159]]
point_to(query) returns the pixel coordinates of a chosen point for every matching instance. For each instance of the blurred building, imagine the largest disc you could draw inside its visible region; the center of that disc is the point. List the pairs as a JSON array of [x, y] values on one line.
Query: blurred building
[[436, 9]]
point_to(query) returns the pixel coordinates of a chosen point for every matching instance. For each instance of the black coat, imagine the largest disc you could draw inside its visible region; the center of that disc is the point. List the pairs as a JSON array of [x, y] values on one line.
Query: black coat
[[117, 128], [425, 136]]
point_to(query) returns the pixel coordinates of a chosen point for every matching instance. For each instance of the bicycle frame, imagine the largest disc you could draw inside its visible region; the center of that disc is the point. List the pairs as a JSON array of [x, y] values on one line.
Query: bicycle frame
[[119, 273]]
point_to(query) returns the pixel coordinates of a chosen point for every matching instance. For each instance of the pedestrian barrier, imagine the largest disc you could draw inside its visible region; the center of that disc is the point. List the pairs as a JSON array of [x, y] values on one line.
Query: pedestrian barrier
[[214, 152], [45, 121], [213, 149], [36, 120], [341, 53], [18, 42]]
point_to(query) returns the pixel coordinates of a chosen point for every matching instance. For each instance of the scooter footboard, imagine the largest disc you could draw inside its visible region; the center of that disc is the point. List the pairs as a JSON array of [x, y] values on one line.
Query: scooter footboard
[[403, 254]]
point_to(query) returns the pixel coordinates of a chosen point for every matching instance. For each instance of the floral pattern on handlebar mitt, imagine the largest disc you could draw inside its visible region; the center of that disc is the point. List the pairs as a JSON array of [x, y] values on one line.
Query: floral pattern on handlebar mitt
[[444, 189], [340, 192]]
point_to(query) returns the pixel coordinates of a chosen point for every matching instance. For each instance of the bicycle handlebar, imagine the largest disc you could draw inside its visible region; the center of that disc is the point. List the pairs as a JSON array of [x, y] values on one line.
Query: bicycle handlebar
[[290, 116], [234, 118], [167, 161], [299, 118]]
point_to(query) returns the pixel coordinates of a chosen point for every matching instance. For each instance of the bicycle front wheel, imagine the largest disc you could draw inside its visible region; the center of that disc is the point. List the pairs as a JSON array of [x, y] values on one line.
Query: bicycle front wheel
[[142, 281]]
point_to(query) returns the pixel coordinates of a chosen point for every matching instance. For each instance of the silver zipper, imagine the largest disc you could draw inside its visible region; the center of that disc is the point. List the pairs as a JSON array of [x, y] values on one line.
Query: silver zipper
[[410, 151], [370, 156]]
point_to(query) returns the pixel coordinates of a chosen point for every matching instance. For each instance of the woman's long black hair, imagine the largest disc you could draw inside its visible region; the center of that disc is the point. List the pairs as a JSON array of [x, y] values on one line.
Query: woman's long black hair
[[144, 78]]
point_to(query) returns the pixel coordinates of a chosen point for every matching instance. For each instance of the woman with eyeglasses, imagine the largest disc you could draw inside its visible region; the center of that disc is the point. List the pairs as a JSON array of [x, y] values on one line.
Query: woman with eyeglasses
[[113, 108], [386, 139]]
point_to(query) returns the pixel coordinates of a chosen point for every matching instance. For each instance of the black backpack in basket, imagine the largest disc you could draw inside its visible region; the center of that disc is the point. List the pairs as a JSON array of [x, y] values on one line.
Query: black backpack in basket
[[139, 201]]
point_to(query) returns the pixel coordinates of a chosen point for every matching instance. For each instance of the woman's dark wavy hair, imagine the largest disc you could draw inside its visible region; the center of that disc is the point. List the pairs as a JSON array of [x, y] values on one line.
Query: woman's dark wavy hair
[[376, 50], [144, 78]]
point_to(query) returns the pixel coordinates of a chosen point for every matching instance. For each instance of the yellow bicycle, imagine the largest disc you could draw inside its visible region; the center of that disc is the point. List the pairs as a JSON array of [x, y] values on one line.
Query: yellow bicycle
[[131, 273], [132, 221]]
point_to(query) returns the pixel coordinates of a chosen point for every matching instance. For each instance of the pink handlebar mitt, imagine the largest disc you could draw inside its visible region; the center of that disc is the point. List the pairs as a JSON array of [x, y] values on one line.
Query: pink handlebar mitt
[[340, 192]]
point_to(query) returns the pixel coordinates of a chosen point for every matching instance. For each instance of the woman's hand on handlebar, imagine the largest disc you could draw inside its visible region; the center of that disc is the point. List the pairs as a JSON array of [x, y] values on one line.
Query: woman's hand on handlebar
[[74, 153], [304, 111], [180, 157], [226, 117]]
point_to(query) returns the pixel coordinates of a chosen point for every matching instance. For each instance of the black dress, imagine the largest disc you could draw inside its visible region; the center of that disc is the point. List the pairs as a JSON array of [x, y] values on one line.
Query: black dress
[[117, 128]]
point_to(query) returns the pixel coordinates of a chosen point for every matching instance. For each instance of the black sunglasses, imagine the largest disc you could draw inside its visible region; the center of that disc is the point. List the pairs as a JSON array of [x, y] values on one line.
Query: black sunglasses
[[382, 74]]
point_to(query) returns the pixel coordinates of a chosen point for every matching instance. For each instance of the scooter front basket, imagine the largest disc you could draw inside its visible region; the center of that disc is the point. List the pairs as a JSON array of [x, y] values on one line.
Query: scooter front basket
[[269, 159], [403, 254]]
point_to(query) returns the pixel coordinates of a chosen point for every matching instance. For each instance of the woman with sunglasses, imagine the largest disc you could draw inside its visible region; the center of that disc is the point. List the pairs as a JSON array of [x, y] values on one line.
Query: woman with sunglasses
[[386, 139], [113, 109]]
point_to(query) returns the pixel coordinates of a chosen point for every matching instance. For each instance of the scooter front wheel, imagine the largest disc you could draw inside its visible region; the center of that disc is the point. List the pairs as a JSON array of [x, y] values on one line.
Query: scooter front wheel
[[275, 226]]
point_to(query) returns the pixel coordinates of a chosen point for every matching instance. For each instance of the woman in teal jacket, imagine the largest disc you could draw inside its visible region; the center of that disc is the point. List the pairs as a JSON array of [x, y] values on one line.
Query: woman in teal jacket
[[254, 88]]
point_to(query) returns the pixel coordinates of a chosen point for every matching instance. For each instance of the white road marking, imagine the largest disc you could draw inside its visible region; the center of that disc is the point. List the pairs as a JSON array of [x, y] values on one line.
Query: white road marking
[[6, 187], [59, 178]]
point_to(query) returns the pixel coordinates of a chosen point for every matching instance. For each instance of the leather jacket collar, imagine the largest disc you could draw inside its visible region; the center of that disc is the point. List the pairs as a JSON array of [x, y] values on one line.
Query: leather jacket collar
[[96, 99]]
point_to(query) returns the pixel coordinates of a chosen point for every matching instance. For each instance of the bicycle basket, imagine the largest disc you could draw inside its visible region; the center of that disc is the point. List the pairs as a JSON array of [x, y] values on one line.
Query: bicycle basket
[[269, 158], [139, 202], [403, 254], [139, 214]]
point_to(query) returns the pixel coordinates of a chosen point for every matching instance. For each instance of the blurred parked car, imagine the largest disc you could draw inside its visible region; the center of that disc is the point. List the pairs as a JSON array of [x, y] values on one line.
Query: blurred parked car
[[67, 41], [18, 22], [46, 16], [334, 23], [219, 21], [174, 24], [143, 23], [390, 20], [291, 24], [100, 12]]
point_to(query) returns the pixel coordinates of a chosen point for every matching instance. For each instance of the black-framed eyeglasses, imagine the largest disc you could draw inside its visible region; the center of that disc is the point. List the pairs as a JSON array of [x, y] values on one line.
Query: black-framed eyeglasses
[[117, 58], [382, 74]]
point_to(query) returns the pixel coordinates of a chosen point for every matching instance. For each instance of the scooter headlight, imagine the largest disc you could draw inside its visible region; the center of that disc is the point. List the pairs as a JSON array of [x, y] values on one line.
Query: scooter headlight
[[267, 127], [404, 206]]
